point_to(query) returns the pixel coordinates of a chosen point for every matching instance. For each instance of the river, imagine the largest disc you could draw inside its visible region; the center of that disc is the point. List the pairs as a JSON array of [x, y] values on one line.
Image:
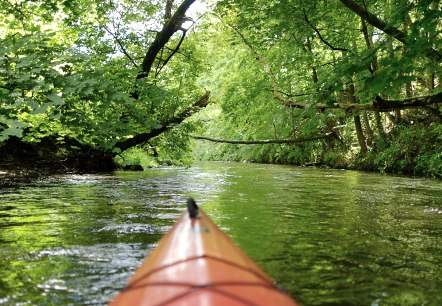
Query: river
[[329, 237]]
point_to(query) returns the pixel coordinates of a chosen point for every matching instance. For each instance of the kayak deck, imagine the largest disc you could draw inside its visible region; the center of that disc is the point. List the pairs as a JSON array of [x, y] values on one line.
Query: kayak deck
[[195, 263]]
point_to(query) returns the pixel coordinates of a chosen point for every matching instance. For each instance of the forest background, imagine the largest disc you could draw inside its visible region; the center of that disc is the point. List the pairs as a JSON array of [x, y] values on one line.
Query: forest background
[[95, 85]]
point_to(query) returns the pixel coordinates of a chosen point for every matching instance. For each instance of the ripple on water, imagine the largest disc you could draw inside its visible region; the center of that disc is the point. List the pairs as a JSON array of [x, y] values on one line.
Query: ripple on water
[[328, 237], [433, 210], [128, 228], [95, 272]]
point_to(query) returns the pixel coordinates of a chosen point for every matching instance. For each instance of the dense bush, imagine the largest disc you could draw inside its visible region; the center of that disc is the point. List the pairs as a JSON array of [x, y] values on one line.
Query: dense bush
[[414, 150]]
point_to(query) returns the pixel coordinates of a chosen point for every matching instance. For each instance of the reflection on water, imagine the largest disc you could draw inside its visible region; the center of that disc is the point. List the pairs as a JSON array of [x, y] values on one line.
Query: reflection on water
[[328, 237]]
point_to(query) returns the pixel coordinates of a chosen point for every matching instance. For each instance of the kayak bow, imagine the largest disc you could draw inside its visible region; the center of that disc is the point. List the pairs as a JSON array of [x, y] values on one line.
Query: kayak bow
[[195, 263]]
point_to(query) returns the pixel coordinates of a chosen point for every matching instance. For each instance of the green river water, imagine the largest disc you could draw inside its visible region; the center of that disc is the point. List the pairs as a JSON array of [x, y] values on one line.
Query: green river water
[[329, 237]]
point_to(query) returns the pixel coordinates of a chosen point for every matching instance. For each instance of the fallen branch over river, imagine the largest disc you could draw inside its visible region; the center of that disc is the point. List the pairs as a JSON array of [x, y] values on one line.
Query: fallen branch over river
[[265, 141]]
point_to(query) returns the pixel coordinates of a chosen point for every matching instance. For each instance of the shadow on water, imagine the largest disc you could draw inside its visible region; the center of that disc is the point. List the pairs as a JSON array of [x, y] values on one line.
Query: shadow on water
[[328, 237]]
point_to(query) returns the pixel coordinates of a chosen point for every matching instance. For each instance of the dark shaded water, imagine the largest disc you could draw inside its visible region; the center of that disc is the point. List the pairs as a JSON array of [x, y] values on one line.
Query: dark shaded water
[[328, 237]]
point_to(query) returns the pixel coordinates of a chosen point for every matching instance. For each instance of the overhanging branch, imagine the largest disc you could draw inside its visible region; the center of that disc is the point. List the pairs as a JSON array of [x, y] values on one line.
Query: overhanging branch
[[320, 36], [383, 105], [375, 21], [266, 141], [174, 51], [386, 28], [173, 25], [177, 119], [380, 104]]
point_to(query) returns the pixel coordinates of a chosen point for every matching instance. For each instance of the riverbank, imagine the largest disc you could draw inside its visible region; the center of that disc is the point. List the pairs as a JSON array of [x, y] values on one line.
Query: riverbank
[[51, 155], [412, 151]]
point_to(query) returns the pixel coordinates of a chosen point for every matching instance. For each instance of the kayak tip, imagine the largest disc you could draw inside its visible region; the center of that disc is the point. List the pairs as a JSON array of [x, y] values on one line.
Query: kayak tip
[[192, 208]]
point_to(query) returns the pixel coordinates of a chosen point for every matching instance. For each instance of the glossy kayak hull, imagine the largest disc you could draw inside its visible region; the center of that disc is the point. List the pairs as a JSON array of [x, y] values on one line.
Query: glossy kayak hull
[[195, 263]]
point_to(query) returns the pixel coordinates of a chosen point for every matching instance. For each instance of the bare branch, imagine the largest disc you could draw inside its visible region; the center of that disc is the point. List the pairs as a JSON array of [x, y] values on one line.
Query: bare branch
[[383, 105], [17, 9], [173, 25], [122, 48], [174, 51], [266, 141], [320, 36]]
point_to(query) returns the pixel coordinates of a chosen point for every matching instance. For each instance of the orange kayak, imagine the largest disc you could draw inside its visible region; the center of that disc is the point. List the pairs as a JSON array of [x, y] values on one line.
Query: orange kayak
[[195, 263]]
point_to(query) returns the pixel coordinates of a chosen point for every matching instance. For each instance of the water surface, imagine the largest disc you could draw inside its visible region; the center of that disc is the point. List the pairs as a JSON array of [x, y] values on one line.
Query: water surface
[[329, 237]]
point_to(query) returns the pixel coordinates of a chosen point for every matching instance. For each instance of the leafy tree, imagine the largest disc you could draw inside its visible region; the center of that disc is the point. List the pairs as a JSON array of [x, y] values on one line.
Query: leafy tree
[[380, 57], [114, 75], [101, 72]]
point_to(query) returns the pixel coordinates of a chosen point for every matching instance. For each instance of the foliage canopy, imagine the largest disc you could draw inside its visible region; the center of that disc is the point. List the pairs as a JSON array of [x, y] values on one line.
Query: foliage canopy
[[119, 74]]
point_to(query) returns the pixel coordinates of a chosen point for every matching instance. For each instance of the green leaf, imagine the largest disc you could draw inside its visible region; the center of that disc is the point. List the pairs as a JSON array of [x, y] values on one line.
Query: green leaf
[[56, 98]]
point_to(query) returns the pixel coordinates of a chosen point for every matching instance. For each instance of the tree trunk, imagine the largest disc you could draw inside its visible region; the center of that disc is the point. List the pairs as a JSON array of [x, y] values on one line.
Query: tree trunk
[[360, 135], [374, 66], [315, 78], [357, 118], [358, 125], [397, 116], [380, 125], [368, 129]]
